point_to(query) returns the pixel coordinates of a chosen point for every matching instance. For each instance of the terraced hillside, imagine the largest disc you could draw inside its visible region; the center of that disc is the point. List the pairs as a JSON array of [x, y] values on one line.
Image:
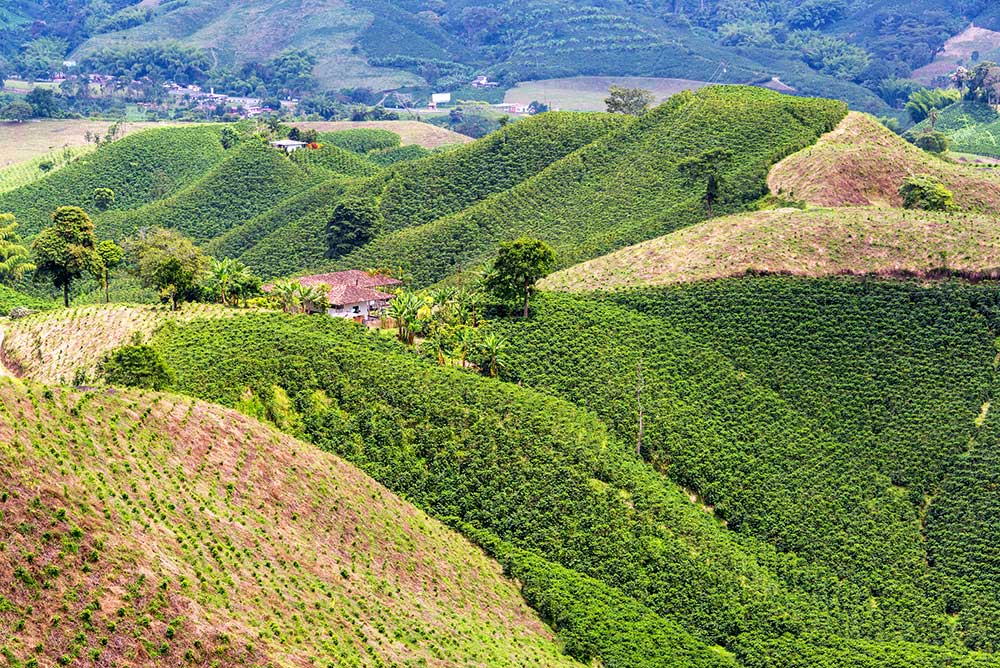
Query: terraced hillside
[[420, 191], [862, 163], [625, 187], [972, 127], [160, 530], [140, 168], [817, 242]]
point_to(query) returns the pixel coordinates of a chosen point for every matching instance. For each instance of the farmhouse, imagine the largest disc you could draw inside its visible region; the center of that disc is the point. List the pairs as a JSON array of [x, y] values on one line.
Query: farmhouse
[[288, 145], [354, 293]]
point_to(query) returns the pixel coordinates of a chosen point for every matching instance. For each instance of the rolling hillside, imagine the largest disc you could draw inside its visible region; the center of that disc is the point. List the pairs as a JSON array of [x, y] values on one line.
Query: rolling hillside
[[140, 168], [971, 127], [724, 405], [813, 243], [157, 529], [862, 163], [624, 187]]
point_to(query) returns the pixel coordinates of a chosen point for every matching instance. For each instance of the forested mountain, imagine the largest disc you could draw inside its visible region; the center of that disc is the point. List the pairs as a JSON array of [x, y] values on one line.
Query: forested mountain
[[855, 50]]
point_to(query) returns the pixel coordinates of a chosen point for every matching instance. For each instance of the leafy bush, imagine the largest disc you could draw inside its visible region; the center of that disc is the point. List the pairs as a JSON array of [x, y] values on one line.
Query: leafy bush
[[932, 142], [137, 366], [927, 193]]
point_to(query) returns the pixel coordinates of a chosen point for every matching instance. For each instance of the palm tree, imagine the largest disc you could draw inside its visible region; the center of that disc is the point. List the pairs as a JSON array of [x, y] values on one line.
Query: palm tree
[[15, 259], [405, 310], [493, 346], [287, 292], [467, 340], [313, 298], [222, 276]]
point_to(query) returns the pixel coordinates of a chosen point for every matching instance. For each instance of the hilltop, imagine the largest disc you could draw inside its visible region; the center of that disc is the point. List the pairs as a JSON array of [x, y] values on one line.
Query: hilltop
[[813, 243], [863, 163], [161, 529]]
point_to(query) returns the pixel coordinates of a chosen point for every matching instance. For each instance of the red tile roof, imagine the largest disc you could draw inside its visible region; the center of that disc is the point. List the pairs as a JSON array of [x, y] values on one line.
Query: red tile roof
[[354, 277], [342, 295]]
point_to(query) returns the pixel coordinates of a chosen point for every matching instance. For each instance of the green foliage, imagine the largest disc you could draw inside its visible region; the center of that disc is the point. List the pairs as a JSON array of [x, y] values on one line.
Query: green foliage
[[252, 179], [620, 189], [11, 299], [927, 193], [168, 261], [67, 249], [932, 142], [351, 224], [140, 168], [104, 198], [518, 266], [137, 366], [287, 237], [337, 160], [362, 140], [15, 258], [110, 256], [923, 102], [391, 156], [971, 127], [631, 101]]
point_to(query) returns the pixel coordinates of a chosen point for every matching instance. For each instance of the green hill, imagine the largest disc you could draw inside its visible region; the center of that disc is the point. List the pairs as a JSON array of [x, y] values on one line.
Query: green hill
[[972, 127], [252, 179], [163, 530], [140, 168], [414, 192], [620, 189]]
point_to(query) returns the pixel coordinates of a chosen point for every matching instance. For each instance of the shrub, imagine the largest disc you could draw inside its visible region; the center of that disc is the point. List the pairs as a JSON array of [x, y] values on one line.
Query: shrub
[[137, 366], [927, 193]]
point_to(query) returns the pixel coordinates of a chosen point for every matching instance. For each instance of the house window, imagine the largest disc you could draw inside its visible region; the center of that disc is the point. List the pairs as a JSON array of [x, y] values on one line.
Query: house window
[[357, 309]]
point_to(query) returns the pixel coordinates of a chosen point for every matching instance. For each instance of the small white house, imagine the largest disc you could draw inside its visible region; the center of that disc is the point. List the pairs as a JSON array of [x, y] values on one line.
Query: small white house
[[351, 301], [288, 145]]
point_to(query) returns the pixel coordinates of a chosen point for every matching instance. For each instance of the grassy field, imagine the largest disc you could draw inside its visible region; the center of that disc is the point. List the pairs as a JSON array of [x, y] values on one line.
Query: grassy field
[[20, 142], [958, 51], [66, 353], [862, 163], [588, 93], [410, 132], [157, 527], [813, 243]]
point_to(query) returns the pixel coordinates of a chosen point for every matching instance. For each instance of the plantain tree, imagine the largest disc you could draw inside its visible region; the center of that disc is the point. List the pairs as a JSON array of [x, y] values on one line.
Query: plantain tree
[[15, 258]]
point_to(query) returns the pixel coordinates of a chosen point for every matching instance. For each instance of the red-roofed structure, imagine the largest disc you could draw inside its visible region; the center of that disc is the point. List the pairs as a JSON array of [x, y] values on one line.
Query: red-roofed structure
[[353, 293]]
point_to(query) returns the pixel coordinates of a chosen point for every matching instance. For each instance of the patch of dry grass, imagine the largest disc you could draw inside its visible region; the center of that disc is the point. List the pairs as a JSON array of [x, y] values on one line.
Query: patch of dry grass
[[154, 530], [55, 346], [588, 93], [862, 163], [20, 142], [820, 242], [411, 132]]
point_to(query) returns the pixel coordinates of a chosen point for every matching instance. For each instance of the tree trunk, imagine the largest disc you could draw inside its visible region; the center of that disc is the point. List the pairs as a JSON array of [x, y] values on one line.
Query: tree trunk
[[66, 295], [526, 293], [107, 289], [638, 401]]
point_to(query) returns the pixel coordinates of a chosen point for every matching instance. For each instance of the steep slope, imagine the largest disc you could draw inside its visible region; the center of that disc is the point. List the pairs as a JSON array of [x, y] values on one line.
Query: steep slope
[[140, 168], [624, 188], [816, 242], [158, 529], [242, 238], [863, 163], [415, 192], [251, 180]]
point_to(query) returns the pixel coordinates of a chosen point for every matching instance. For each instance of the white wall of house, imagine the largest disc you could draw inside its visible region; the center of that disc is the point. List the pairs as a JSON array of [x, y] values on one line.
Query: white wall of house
[[349, 310]]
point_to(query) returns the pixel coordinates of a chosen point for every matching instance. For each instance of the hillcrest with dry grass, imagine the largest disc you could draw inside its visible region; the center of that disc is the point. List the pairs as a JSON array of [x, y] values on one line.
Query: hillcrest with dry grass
[[863, 163], [813, 243], [148, 529]]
